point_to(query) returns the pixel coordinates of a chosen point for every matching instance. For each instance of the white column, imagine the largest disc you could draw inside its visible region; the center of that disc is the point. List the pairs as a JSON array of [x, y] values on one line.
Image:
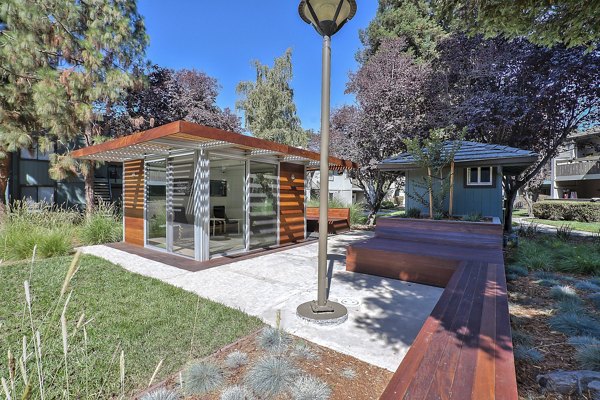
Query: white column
[[202, 207]]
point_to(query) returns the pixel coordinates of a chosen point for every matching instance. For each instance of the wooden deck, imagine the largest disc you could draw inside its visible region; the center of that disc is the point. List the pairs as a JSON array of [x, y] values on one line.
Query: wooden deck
[[464, 349]]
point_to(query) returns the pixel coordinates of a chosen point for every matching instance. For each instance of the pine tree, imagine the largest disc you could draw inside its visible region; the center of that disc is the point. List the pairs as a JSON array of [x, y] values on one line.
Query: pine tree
[[268, 104], [62, 65]]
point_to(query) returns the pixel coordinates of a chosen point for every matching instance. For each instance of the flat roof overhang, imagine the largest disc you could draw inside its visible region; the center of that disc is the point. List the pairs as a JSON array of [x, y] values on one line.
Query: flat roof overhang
[[182, 135]]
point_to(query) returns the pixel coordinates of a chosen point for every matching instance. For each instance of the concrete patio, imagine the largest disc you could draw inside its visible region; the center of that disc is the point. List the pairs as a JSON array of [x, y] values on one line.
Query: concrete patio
[[385, 315]]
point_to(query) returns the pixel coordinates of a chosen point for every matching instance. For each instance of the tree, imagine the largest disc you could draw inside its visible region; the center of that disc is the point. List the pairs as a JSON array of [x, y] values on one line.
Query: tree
[[268, 103], [64, 64], [546, 22], [412, 20], [517, 94], [390, 90], [433, 154], [168, 96]]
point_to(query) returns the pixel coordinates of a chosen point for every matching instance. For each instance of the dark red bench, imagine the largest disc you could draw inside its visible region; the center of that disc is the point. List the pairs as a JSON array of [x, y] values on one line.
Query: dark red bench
[[338, 219], [464, 349]]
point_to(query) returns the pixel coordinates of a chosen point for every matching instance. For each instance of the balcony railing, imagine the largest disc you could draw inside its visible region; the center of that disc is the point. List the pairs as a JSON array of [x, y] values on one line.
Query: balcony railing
[[578, 167]]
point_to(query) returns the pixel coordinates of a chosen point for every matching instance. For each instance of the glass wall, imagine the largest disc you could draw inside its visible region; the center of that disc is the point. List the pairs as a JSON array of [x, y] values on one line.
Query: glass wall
[[262, 192], [183, 210], [156, 203], [227, 206]]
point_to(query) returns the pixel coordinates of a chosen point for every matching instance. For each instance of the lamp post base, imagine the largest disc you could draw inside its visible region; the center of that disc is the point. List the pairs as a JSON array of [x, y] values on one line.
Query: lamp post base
[[331, 313]]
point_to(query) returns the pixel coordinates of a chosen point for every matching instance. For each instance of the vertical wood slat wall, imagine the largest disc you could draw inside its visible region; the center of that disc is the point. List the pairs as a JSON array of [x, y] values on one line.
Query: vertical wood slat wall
[[291, 203], [133, 201]]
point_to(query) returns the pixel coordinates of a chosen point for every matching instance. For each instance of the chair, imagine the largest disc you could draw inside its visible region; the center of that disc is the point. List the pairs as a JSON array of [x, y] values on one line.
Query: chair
[[219, 213]]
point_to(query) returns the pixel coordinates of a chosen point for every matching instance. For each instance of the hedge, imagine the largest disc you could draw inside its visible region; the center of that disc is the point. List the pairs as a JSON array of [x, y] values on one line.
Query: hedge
[[567, 211]]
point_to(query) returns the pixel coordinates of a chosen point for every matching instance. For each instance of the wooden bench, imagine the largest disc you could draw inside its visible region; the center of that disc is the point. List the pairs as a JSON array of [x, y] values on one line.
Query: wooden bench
[[338, 219], [464, 349]]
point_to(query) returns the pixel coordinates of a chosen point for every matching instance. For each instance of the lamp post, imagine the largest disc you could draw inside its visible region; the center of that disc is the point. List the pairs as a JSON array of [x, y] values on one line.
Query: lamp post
[[327, 17]]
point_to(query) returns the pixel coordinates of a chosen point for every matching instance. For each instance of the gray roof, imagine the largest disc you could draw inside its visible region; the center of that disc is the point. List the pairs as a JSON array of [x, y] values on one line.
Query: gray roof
[[469, 152]]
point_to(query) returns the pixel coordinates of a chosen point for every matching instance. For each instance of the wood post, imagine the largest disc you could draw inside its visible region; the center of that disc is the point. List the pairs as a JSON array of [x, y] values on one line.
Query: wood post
[[451, 189]]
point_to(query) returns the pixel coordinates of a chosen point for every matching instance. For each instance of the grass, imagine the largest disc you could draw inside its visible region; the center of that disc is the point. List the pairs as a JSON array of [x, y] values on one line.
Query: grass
[[146, 319], [547, 253], [575, 225]]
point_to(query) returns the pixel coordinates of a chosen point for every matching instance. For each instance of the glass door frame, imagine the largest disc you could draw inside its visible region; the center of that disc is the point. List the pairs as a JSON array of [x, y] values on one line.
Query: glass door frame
[[277, 191]]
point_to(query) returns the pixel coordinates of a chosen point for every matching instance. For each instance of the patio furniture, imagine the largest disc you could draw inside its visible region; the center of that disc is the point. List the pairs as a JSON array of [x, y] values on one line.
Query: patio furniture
[[338, 219], [220, 215]]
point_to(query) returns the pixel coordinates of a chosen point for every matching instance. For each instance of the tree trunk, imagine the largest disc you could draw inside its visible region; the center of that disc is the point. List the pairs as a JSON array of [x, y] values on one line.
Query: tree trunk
[[89, 190], [5, 164], [511, 194], [529, 201]]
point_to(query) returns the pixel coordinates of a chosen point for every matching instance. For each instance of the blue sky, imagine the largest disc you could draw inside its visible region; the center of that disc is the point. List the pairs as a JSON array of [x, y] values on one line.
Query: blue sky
[[222, 37]]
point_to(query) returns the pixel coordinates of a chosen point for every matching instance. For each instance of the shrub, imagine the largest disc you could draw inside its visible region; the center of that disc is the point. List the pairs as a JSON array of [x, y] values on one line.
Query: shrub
[[302, 350], [386, 204], [310, 388], [270, 376], [236, 359], [273, 340], [521, 338], [413, 212], [527, 353], [529, 230], [595, 280], [236, 393], [588, 356], [576, 341], [545, 275], [587, 286], [473, 217], [571, 305], [563, 232], [202, 377], [348, 373], [562, 293], [103, 226], [595, 299], [575, 325], [547, 282], [161, 394], [518, 270], [567, 211]]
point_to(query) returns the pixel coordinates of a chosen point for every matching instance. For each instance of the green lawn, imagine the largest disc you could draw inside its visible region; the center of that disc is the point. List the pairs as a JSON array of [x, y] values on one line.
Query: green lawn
[[147, 319], [576, 225]]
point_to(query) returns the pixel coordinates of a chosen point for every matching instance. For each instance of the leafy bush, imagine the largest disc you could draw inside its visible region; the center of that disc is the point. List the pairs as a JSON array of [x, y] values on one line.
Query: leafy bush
[[567, 211], [527, 353], [562, 293], [473, 217], [310, 388], [236, 393], [202, 377], [236, 359], [273, 339], [528, 230], [104, 225], [575, 325], [270, 376], [386, 204], [161, 394], [413, 212]]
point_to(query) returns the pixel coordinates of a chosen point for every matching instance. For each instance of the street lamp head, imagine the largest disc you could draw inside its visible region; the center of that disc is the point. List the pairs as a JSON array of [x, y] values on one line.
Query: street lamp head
[[327, 16]]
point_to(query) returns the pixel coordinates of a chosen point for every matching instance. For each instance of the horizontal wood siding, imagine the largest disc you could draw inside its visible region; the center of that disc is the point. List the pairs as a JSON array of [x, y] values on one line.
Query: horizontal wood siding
[[133, 201], [291, 205], [467, 200]]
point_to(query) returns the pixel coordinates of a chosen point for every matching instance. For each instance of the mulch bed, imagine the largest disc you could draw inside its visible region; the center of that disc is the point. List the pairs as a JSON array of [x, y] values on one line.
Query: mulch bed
[[369, 382], [531, 308]]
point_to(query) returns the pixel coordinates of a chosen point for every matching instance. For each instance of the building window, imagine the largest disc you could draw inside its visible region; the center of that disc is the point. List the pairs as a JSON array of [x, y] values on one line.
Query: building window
[[35, 154], [480, 176], [36, 194]]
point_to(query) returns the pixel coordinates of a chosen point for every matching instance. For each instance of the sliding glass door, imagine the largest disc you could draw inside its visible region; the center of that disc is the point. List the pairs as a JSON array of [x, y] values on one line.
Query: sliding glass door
[[263, 204], [182, 208], [156, 203]]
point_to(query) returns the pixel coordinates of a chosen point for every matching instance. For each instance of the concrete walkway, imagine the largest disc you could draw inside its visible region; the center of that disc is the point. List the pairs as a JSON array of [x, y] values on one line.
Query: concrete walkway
[[385, 315]]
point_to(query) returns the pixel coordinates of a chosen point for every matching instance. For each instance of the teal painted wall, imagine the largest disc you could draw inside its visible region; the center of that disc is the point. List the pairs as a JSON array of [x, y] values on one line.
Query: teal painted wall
[[467, 200]]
